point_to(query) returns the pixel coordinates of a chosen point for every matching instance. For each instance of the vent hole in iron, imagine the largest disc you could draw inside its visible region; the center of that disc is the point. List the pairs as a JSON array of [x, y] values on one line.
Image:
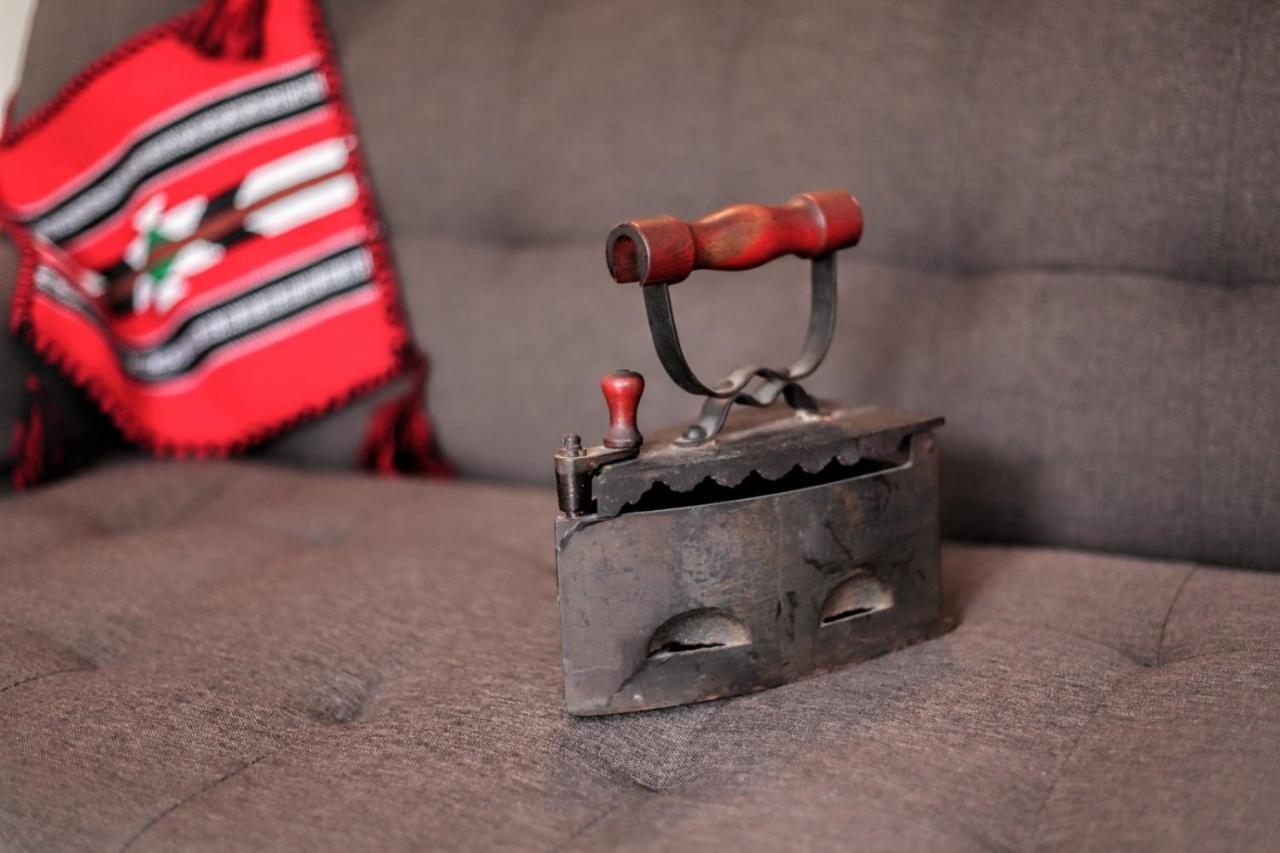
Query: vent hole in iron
[[696, 631], [676, 647], [660, 496], [855, 597]]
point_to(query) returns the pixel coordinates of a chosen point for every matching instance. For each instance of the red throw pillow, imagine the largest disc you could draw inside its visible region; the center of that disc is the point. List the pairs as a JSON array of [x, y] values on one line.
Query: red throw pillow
[[199, 243]]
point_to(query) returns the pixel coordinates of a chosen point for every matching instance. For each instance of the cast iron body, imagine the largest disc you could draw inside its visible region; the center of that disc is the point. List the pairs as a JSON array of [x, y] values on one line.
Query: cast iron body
[[758, 545]]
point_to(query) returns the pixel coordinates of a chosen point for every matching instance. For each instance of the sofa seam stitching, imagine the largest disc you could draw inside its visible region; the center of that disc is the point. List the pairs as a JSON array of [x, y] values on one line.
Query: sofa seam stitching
[[1164, 624], [514, 95], [956, 270], [6, 688], [1233, 124], [676, 772], [149, 825], [964, 108], [1115, 687], [735, 53]]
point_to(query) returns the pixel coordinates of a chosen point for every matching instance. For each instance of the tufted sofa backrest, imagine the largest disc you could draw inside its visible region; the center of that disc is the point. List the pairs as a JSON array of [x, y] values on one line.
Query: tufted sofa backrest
[[1070, 246]]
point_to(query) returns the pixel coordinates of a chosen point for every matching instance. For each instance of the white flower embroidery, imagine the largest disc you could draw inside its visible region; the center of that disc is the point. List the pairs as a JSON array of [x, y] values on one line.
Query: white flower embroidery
[[161, 284]]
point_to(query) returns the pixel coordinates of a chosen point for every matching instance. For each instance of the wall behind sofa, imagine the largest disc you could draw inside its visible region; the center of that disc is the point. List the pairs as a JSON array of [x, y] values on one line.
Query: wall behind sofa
[[15, 26]]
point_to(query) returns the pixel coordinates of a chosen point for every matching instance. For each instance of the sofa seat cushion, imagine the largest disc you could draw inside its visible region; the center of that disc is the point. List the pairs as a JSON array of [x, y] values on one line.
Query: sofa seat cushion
[[278, 659]]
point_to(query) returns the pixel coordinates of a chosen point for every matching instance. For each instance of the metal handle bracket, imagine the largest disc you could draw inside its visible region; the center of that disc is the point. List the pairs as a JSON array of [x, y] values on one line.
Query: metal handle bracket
[[774, 382]]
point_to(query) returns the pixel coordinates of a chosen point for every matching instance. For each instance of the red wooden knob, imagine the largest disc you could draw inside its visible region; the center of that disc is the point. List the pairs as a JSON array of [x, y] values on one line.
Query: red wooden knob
[[622, 390]]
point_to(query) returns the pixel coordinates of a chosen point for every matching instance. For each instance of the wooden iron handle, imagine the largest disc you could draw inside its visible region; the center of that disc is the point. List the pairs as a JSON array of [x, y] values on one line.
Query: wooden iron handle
[[665, 249]]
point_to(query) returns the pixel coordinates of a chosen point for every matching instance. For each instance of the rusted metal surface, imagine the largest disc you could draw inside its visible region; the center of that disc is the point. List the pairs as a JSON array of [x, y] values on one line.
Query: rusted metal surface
[[768, 442], [688, 593], [762, 543]]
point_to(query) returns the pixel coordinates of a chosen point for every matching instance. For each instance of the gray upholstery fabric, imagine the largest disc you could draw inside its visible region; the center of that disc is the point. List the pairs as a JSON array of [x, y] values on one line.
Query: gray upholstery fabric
[[254, 658], [1069, 251]]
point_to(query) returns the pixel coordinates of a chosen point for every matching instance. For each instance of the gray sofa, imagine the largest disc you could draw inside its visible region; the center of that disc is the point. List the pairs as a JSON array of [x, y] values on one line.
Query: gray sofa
[[1070, 252]]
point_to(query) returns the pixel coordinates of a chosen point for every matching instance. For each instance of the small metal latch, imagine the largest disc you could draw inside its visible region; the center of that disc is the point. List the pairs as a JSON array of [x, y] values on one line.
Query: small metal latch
[[575, 465]]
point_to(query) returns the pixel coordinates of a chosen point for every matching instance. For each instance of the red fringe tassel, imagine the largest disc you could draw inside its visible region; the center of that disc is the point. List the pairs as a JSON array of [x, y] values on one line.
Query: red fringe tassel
[[227, 29], [37, 447], [400, 439]]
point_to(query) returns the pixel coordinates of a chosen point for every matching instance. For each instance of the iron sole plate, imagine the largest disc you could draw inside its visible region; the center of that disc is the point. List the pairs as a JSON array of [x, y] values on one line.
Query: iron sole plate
[[672, 606]]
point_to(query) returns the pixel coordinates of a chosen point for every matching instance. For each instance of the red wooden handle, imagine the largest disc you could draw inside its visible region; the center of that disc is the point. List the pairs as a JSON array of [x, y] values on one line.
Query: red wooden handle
[[665, 249]]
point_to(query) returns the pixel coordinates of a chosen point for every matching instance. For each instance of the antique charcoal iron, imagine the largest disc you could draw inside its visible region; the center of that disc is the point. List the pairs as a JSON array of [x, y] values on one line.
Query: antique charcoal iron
[[758, 545]]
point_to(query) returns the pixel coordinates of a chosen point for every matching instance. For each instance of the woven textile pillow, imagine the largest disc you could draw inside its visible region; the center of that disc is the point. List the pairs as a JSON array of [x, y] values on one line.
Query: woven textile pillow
[[199, 248]]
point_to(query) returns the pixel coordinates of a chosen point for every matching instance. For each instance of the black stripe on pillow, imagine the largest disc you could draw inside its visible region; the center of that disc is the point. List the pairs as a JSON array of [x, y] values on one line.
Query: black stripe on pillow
[[181, 140]]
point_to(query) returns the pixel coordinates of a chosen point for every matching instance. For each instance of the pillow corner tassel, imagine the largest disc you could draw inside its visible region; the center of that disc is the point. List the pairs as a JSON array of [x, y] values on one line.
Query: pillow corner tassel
[[36, 446], [400, 438], [226, 29]]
